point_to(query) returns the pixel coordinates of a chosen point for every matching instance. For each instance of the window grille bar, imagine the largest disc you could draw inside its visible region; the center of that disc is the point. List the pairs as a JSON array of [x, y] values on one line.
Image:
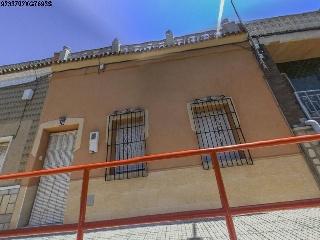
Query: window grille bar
[[119, 146], [310, 103], [218, 117], [126, 139], [239, 137], [143, 143], [217, 124], [207, 157], [227, 132]]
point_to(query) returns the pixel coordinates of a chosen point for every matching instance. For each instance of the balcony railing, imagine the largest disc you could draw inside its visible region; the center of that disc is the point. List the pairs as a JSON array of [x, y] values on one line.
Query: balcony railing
[[310, 103], [225, 211]]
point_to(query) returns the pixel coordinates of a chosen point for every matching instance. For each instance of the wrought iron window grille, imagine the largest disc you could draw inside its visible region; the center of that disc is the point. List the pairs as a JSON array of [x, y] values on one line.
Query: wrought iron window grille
[[126, 139], [216, 123]]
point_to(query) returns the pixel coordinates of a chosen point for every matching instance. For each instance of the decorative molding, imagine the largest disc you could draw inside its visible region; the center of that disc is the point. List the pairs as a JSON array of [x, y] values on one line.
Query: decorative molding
[[208, 99], [127, 111], [116, 115], [55, 124]]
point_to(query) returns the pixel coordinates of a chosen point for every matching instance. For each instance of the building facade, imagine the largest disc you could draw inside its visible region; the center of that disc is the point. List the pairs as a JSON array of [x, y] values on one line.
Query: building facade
[[179, 93], [23, 89], [154, 98]]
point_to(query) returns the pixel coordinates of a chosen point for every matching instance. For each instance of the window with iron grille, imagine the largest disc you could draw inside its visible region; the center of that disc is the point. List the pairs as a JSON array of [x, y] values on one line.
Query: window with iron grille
[[216, 124], [126, 139]]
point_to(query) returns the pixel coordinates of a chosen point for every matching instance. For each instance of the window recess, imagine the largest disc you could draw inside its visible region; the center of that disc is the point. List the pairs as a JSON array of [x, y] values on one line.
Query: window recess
[[126, 139], [4, 147], [215, 121]]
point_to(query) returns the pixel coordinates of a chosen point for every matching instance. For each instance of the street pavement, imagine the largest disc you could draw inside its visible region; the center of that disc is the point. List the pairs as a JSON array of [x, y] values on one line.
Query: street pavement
[[303, 224]]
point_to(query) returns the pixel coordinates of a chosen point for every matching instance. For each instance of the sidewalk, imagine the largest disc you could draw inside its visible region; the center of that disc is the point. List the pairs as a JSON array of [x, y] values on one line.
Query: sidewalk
[[292, 224]]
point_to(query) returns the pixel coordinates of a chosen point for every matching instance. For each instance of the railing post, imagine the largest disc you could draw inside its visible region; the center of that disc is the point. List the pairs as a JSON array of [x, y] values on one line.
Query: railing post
[[83, 203], [223, 196]]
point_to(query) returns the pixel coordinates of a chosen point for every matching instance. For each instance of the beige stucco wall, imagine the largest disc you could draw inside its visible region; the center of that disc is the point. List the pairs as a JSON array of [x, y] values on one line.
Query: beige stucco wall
[[276, 179], [163, 86], [268, 180]]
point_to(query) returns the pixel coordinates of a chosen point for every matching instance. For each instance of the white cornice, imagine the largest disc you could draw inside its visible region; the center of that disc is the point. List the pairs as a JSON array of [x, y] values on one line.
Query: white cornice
[[23, 77]]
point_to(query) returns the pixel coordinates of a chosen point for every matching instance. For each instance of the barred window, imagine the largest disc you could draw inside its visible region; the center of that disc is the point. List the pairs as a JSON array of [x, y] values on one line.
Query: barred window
[[216, 124], [126, 139]]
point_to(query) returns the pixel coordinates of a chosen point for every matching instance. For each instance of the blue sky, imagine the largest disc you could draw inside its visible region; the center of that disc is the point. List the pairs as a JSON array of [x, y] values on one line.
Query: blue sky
[[32, 33]]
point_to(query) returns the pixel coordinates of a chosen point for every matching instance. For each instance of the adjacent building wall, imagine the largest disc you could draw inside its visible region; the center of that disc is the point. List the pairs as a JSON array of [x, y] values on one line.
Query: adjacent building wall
[[285, 41], [288, 38], [18, 121], [282, 90], [19, 118]]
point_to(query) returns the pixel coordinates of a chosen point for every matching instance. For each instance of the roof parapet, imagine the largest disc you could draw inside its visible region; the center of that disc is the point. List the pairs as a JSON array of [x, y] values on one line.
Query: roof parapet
[[262, 27], [169, 38], [170, 41], [64, 53], [116, 46], [229, 27]]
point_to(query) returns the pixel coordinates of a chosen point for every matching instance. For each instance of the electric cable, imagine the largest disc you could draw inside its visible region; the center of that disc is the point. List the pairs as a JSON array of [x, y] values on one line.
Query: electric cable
[[258, 55]]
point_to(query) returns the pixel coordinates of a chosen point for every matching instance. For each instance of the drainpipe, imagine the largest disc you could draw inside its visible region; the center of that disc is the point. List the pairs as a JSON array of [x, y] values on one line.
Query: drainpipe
[[314, 124]]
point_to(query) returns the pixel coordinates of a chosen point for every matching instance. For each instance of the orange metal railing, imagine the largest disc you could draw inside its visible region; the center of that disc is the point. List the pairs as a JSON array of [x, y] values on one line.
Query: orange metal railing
[[225, 211]]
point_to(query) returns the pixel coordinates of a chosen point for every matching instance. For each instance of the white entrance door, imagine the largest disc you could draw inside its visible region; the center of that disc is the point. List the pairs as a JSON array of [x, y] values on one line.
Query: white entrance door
[[51, 198]]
